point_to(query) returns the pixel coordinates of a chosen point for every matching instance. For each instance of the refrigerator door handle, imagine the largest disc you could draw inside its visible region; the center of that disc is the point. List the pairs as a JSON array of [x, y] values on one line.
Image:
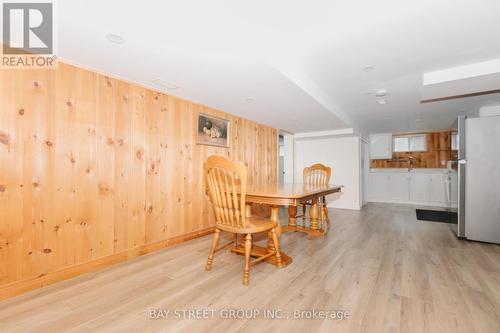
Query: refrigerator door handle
[[462, 165], [447, 183]]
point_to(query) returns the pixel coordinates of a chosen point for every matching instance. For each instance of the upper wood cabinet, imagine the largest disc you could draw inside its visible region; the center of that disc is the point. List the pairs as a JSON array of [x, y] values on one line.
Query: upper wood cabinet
[[381, 146]]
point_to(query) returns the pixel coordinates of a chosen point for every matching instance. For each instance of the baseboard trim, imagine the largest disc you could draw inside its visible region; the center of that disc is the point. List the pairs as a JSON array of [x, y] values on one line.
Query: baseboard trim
[[408, 202], [18, 287], [334, 206]]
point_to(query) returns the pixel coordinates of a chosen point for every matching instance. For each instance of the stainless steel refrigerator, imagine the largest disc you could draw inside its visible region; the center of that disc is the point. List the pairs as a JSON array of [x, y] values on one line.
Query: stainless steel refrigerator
[[479, 178]]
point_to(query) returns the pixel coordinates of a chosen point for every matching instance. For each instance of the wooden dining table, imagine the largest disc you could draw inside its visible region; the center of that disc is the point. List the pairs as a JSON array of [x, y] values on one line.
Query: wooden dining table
[[291, 195]]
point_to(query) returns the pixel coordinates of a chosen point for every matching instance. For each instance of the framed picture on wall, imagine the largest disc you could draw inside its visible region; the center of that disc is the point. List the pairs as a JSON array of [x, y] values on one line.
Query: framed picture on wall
[[213, 131]]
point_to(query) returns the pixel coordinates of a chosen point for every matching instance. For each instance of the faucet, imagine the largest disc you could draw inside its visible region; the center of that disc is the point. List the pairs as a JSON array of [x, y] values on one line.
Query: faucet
[[410, 163]]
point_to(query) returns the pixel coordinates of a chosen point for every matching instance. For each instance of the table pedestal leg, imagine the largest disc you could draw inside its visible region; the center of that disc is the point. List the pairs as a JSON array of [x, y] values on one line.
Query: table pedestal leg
[[275, 211], [292, 220], [314, 230], [325, 218], [292, 216], [313, 214]]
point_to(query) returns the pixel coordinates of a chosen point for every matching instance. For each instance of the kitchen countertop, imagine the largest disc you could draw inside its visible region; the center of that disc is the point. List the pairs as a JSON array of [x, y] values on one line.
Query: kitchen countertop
[[415, 170]]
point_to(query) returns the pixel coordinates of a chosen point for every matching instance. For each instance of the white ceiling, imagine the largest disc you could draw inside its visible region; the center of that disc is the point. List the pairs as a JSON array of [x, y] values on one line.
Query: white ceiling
[[300, 61]]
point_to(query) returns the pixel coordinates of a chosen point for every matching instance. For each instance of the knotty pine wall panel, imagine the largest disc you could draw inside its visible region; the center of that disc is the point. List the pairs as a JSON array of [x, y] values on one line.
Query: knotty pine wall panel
[[92, 167]]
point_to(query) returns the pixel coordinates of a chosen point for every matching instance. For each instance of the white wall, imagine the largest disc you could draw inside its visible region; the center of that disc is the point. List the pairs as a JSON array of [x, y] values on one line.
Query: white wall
[[342, 154], [365, 168], [289, 147]]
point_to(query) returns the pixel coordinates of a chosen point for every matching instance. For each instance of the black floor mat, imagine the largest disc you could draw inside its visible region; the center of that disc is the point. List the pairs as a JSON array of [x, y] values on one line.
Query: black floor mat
[[437, 216]]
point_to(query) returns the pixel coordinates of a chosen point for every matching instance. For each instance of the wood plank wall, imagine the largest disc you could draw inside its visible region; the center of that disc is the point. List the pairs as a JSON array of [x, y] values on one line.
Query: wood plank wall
[[438, 150], [94, 170]]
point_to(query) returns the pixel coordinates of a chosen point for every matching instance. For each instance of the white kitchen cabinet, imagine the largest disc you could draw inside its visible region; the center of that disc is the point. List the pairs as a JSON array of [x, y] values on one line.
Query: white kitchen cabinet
[[451, 188], [398, 186], [389, 186], [454, 189], [420, 186], [454, 141], [381, 146], [437, 186], [379, 185]]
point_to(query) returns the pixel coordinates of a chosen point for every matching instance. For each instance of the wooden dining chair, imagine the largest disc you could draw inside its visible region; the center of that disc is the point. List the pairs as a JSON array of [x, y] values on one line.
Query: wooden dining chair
[[227, 184], [317, 174]]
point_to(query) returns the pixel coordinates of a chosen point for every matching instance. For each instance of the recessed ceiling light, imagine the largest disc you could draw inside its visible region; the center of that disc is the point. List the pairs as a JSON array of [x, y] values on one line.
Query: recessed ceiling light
[[382, 101], [117, 39], [381, 93], [249, 99], [165, 84], [368, 68], [418, 120]]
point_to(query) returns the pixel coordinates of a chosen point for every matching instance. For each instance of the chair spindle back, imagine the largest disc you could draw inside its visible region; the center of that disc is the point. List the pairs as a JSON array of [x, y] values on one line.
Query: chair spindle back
[[317, 174], [224, 178]]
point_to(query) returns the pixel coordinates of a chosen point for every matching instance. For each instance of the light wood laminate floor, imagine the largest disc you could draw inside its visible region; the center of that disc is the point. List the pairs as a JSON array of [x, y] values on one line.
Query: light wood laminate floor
[[393, 273]]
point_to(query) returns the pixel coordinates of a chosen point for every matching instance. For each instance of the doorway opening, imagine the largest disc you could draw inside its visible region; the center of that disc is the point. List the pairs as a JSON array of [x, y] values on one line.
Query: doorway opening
[[281, 159]]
